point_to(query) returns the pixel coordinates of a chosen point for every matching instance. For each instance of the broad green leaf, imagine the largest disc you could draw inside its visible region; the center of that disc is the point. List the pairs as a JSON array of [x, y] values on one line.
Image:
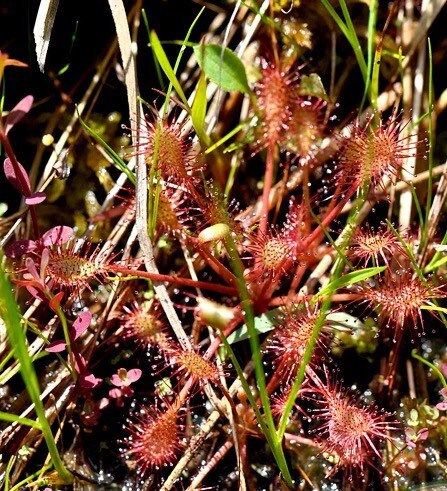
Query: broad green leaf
[[222, 66], [166, 67], [350, 279], [263, 323]]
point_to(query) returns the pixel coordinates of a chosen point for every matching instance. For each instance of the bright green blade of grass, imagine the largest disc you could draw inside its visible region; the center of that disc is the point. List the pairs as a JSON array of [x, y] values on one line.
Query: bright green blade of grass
[[13, 418], [10, 314], [116, 159], [350, 34]]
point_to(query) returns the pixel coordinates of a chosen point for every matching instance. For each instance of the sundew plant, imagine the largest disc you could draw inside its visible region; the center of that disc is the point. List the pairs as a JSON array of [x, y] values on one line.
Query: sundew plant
[[223, 246]]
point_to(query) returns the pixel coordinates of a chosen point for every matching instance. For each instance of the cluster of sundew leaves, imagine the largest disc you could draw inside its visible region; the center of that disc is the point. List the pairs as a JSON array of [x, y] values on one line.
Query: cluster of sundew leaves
[[381, 275]]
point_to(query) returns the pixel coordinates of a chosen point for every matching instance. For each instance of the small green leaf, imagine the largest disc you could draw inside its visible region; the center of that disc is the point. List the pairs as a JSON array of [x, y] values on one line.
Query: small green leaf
[[3, 209], [350, 279], [222, 66], [264, 323], [313, 86]]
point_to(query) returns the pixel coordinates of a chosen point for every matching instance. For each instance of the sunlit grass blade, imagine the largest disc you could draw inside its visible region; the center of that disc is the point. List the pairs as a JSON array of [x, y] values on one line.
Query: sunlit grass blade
[[349, 279], [167, 68], [432, 367], [13, 418], [10, 314], [350, 34], [116, 159]]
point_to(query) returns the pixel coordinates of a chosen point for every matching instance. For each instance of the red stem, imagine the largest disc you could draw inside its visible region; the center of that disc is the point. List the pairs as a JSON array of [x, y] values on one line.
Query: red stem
[[268, 181], [161, 278], [319, 231], [213, 262]]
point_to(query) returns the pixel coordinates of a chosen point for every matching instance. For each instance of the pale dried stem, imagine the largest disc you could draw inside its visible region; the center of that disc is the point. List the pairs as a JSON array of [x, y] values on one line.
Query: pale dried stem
[[412, 104], [128, 55]]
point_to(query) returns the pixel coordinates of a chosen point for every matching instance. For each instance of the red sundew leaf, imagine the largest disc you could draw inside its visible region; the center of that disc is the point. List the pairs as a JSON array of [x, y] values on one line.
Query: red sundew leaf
[[21, 181], [18, 112], [19, 247], [56, 346], [82, 322], [56, 301], [57, 235], [36, 198]]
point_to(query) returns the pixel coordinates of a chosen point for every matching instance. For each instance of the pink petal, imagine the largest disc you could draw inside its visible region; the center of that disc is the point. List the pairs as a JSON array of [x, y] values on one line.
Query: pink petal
[[35, 293], [117, 381], [89, 381], [19, 247], [103, 403], [422, 434], [57, 235], [410, 443], [35, 198], [442, 406], [17, 113], [133, 375], [81, 323], [80, 364], [44, 260], [31, 268], [56, 346], [115, 393], [21, 180]]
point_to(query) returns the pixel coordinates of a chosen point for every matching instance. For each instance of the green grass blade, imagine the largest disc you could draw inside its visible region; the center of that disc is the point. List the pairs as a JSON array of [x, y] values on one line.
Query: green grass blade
[[198, 109], [350, 34], [157, 65], [10, 314], [167, 68], [431, 366], [116, 159], [13, 418], [349, 279], [225, 138]]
